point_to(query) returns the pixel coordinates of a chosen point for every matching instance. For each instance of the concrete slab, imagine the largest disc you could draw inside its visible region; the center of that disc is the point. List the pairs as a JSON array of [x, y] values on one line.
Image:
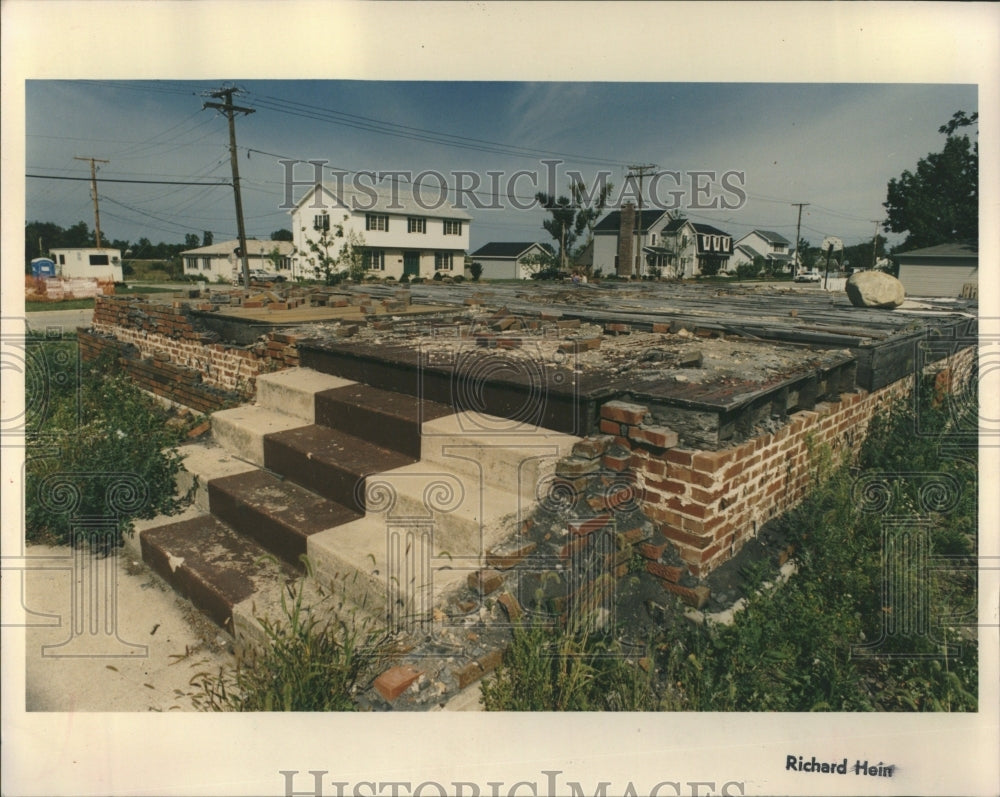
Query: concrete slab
[[241, 430], [169, 642], [293, 391]]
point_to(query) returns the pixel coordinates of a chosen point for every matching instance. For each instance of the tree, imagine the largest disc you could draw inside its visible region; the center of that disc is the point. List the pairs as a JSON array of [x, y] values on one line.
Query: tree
[[939, 202], [570, 216], [539, 263], [282, 235], [190, 241], [807, 254], [207, 238], [476, 270]]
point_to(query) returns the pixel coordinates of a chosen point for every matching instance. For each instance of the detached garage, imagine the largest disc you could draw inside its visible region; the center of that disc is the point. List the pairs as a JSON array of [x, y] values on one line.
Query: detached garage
[[503, 260], [943, 270]]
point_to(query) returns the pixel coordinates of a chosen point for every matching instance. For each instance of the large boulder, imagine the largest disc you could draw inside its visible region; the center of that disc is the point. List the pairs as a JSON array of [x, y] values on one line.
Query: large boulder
[[875, 289]]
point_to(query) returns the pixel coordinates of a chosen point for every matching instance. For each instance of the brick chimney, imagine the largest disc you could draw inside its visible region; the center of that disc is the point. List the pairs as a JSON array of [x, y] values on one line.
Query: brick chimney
[[625, 232]]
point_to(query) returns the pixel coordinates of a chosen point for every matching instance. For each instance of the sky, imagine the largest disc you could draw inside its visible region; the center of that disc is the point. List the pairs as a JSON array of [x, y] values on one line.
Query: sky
[[832, 145]]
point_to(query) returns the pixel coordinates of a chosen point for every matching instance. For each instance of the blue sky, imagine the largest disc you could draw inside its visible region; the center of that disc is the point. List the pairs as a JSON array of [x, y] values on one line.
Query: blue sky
[[834, 146]]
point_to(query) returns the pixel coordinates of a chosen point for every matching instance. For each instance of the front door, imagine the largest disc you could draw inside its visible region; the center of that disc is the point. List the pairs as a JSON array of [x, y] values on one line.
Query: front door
[[411, 264]]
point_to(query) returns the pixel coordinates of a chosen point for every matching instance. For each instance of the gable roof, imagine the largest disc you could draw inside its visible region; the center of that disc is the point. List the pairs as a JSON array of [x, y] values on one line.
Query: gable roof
[[254, 248], [611, 224], [507, 249], [708, 229], [404, 201], [771, 237], [749, 251]]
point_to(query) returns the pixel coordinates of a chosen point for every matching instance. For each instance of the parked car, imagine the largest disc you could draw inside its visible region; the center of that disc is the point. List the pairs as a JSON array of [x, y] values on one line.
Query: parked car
[[260, 275], [812, 275]]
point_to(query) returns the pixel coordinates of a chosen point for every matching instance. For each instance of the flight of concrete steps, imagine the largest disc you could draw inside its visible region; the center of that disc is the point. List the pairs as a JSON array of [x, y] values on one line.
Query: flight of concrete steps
[[390, 501]]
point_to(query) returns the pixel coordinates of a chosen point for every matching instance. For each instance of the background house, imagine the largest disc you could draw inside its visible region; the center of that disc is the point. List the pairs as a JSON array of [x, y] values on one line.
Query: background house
[[943, 270], [103, 264], [220, 260], [400, 233], [648, 252], [772, 246], [505, 259], [693, 249]]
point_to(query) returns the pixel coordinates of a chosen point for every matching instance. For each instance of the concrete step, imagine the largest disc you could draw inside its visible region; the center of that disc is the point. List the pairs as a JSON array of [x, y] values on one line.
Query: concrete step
[[388, 419], [329, 462], [203, 462], [292, 391], [464, 516], [388, 572], [241, 430], [518, 463], [278, 515], [211, 565]]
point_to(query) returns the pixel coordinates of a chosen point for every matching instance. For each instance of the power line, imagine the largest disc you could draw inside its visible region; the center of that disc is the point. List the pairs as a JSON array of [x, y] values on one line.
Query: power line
[[115, 180]]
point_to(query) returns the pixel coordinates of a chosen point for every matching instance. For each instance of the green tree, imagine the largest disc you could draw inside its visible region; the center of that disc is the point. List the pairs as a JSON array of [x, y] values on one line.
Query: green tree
[[207, 238], [190, 241], [939, 202], [282, 235], [561, 223]]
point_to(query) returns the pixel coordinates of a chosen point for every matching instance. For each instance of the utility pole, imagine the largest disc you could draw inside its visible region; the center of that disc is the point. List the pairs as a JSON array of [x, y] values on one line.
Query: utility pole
[[798, 230], [876, 222], [640, 171], [93, 192], [229, 109]]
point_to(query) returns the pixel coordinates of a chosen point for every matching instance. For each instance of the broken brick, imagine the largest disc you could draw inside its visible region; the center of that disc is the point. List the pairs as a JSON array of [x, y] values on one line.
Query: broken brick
[[485, 581], [394, 681]]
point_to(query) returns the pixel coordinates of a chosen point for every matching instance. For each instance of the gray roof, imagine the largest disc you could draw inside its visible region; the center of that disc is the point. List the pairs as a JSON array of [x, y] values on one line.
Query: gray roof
[[508, 249], [254, 247], [613, 221], [749, 250], [772, 237], [942, 252], [426, 200]]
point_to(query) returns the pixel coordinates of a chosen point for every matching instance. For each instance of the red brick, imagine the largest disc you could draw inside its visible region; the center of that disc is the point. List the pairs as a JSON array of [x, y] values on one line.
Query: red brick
[[616, 461], [658, 436], [625, 539], [679, 456], [671, 573], [511, 606], [485, 581], [583, 528], [613, 428], [695, 597], [676, 535], [624, 412], [514, 554], [653, 551], [661, 329], [711, 461], [396, 680], [594, 446]]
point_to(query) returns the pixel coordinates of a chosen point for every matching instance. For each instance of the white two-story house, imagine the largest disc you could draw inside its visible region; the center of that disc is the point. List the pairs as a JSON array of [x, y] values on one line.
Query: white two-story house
[[399, 232], [694, 248], [771, 246]]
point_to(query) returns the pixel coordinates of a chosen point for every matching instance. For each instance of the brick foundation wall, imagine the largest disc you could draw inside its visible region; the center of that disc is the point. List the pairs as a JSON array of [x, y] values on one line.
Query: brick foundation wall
[[168, 333], [709, 503]]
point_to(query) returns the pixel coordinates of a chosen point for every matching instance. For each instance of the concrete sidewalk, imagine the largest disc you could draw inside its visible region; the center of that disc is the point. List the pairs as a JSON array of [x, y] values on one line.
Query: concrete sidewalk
[[160, 644]]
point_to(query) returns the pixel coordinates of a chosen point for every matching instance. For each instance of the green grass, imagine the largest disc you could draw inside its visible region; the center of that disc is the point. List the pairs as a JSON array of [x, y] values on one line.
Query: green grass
[[69, 304]]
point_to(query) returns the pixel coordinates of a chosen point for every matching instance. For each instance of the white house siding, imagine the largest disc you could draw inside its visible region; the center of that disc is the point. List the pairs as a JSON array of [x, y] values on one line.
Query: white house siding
[[936, 280], [498, 269], [212, 267], [77, 263], [394, 241]]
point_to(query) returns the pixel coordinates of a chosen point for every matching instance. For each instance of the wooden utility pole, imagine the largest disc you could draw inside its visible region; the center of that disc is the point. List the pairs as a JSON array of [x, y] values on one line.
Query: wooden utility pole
[[640, 171], [798, 230], [229, 109], [93, 192]]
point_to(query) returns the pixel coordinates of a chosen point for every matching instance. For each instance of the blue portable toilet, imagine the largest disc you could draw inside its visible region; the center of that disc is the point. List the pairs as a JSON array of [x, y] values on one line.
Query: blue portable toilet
[[43, 267]]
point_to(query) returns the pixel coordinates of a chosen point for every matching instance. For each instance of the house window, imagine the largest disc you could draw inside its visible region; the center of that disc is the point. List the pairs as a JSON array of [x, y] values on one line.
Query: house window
[[206, 264], [442, 261], [415, 224], [374, 259], [452, 227], [321, 222], [376, 221], [190, 264], [62, 260], [725, 244], [99, 260], [652, 239]]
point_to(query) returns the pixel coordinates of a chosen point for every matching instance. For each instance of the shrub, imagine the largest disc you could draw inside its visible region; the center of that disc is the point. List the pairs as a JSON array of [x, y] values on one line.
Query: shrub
[[476, 270], [305, 664], [438, 276], [98, 433]]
